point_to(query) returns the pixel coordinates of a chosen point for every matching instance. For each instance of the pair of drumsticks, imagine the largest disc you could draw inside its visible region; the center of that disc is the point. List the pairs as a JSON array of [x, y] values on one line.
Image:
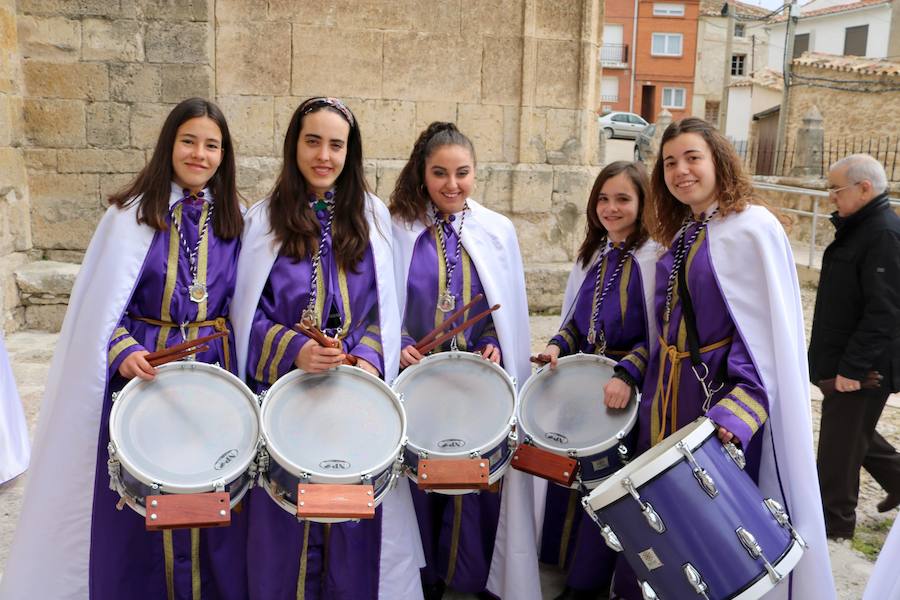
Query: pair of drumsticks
[[435, 338], [182, 350]]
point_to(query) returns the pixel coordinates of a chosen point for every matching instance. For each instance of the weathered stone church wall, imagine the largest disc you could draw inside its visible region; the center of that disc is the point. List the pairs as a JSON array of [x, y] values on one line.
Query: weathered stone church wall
[[519, 76], [15, 229]]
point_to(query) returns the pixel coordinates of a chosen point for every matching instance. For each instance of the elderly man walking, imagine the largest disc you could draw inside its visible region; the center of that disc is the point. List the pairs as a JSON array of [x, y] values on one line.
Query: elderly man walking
[[854, 353]]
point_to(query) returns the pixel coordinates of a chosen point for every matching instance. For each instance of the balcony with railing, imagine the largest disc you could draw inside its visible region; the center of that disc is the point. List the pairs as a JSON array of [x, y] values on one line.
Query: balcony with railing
[[614, 55]]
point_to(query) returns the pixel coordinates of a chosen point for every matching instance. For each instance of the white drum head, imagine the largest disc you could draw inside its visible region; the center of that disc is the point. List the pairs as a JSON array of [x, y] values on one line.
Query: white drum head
[[192, 425], [563, 408], [456, 403], [333, 425]]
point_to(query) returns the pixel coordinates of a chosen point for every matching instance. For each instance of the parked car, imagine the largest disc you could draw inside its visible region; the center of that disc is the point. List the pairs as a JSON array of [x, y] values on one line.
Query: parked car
[[621, 124], [642, 143]]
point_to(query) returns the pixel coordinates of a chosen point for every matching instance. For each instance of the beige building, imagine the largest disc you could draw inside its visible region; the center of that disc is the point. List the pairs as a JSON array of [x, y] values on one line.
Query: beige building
[[85, 86], [748, 96], [748, 53]]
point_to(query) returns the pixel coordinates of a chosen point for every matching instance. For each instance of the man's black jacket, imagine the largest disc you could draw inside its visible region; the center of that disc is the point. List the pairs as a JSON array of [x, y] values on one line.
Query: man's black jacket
[[856, 327]]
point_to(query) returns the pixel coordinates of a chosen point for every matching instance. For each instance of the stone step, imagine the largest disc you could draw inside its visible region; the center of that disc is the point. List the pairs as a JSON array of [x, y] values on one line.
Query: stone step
[[44, 289]]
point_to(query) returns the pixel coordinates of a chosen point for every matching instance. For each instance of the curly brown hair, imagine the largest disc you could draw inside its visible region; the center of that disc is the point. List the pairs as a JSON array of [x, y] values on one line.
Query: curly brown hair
[[596, 234], [734, 189], [409, 198]]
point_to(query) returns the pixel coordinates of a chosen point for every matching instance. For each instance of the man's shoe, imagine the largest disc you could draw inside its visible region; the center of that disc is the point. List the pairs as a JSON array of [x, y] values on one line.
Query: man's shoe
[[573, 594], [434, 591], [890, 502]]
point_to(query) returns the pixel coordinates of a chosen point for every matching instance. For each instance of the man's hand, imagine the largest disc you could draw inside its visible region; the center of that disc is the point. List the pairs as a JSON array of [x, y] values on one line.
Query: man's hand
[[843, 384]]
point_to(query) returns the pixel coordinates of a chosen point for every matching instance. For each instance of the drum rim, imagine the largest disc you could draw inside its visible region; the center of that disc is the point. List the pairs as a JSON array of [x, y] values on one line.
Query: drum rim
[[168, 487], [651, 463], [586, 451], [476, 358], [316, 476]]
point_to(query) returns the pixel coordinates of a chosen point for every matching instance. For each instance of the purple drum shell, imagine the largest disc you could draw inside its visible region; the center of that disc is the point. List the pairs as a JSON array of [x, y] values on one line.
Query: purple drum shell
[[699, 529]]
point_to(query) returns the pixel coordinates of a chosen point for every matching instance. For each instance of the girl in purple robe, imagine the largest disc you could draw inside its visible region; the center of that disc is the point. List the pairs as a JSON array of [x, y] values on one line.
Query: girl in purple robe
[[326, 270], [702, 210], [439, 234], [607, 316], [187, 195]]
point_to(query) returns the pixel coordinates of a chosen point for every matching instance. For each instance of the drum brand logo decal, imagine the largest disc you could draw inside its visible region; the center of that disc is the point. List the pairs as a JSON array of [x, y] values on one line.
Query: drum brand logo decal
[[226, 458], [556, 437], [335, 465], [451, 443]]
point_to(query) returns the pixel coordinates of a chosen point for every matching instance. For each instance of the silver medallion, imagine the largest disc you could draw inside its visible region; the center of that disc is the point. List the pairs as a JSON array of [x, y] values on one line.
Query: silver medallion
[[446, 302], [198, 292]]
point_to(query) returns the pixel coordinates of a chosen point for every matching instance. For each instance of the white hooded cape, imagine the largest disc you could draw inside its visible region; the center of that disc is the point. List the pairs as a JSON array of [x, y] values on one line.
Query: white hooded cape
[[884, 584], [14, 447], [490, 240], [646, 254], [755, 269], [50, 551], [401, 547]]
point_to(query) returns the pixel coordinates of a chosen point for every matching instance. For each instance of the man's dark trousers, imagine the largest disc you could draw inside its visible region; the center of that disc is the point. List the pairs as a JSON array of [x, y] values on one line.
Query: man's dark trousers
[[842, 453]]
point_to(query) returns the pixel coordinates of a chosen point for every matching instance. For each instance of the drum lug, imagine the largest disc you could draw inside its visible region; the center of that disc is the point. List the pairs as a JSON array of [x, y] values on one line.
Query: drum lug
[[114, 396], [647, 592], [260, 397], [401, 397], [262, 460], [700, 474], [696, 581], [784, 520], [512, 440], [736, 455], [515, 382], [113, 468], [609, 536], [650, 514], [365, 478], [218, 485], [423, 454], [748, 540]]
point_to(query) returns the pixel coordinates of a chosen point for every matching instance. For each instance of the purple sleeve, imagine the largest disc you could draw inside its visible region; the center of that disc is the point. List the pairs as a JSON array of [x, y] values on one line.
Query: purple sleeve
[[745, 407], [566, 338], [488, 336], [121, 346], [635, 363], [364, 341], [272, 350]]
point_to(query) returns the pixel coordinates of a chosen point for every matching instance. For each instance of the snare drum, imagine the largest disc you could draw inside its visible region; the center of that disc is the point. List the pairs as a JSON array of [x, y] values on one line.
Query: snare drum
[[193, 429], [561, 410], [343, 426], [459, 405], [691, 522]]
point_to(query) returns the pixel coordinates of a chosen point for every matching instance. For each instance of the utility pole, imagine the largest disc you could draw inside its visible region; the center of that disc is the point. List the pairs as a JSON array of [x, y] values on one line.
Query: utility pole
[[793, 15], [728, 9]]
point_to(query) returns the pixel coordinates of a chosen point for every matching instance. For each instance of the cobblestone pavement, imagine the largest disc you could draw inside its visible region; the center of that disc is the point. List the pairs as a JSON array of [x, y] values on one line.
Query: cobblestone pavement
[[30, 353]]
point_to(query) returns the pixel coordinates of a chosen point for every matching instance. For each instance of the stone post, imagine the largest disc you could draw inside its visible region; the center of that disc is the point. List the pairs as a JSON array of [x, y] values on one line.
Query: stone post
[[809, 144], [663, 120]]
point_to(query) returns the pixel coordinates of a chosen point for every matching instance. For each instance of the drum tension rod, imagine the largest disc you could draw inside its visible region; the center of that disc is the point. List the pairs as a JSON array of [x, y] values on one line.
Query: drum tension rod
[[696, 581], [700, 474], [653, 518], [784, 520], [748, 540], [609, 536]]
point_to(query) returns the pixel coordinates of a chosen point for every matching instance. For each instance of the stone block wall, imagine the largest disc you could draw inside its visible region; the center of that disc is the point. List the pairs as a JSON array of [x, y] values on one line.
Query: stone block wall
[[98, 77], [15, 228]]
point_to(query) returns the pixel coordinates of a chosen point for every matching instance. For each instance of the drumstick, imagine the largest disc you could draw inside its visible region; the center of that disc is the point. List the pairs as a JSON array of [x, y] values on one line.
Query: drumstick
[[161, 360], [319, 336], [541, 359], [443, 338], [177, 348], [448, 321]]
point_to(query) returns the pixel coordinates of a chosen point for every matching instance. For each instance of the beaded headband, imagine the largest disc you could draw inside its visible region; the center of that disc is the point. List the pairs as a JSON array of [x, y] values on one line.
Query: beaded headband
[[335, 103]]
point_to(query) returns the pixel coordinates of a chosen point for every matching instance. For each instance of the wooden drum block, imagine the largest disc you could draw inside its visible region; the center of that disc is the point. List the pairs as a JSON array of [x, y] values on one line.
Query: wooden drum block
[[174, 511], [454, 474], [539, 462], [335, 501]]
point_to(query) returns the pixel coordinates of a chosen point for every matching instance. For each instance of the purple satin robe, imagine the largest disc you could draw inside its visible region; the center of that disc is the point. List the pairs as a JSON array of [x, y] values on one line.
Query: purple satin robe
[[570, 539], [340, 561], [462, 559], [126, 561], [741, 405]]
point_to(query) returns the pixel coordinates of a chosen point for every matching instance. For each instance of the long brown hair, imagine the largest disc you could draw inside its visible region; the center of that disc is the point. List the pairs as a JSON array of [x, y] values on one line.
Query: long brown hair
[[734, 190], [293, 222], [410, 198], [153, 185], [596, 233]]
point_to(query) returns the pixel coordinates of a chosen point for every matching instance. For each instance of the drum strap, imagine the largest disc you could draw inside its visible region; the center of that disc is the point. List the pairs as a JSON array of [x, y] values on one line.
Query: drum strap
[[219, 324]]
